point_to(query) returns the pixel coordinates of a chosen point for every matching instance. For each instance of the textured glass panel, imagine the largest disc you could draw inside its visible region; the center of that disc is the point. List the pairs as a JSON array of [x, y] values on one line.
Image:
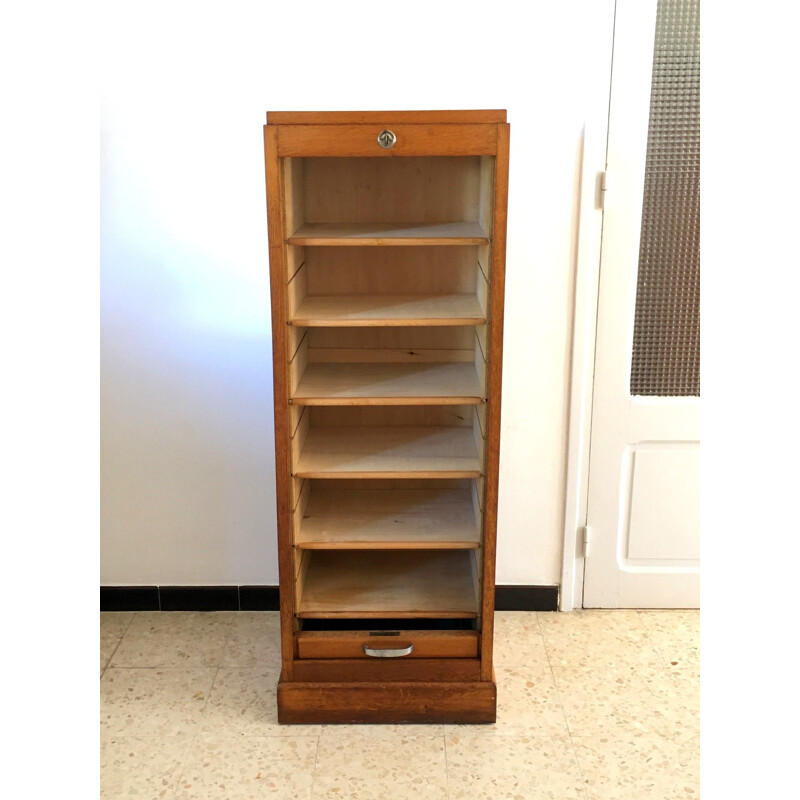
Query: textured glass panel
[[666, 338]]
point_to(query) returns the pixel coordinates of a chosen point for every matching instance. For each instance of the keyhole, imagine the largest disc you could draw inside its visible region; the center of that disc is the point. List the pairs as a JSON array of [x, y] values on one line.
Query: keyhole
[[386, 139]]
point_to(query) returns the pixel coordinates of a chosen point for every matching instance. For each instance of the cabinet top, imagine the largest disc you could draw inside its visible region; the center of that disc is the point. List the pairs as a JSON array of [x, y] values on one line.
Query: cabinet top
[[359, 117]]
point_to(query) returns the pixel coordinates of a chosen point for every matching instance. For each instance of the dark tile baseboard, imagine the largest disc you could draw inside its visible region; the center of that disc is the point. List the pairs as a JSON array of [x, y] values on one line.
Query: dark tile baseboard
[[199, 598], [129, 598], [526, 598], [258, 598], [265, 598]]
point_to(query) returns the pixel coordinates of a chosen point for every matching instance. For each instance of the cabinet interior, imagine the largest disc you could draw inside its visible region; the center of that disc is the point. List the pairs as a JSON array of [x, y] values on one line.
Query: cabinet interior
[[416, 190], [388, 292]]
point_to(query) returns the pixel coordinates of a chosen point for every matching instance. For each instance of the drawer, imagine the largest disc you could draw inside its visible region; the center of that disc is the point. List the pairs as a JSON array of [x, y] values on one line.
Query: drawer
[[382, 647], [410, 140]]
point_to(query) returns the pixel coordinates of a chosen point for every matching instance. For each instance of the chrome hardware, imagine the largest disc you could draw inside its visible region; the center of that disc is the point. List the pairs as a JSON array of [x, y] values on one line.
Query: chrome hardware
[[387, 652], [386, 139]]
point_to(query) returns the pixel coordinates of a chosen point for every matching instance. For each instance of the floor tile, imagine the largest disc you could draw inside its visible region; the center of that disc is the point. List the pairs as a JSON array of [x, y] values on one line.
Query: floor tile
[[527, 703], [113, 625], [400, 767], [625, 684], [132, 767], [174, 639], [512, 768], [254, 640], [675, 634], [153, 702], [381, 731], [619, 700], [518, 640], [598, 638], [645, 767], [244, 701], [222, 767], [595, 619], [677, 703]]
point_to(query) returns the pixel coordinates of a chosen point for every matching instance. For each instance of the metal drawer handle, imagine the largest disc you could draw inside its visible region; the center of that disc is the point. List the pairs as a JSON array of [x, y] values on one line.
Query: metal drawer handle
[[386, 139], [388, 652]]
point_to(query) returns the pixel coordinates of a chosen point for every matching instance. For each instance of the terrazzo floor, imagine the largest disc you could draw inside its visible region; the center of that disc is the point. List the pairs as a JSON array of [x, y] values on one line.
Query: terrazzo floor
[[591, 704]]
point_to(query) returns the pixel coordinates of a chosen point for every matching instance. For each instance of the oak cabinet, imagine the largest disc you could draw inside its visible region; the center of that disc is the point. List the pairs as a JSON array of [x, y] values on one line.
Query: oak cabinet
[[387, 262]]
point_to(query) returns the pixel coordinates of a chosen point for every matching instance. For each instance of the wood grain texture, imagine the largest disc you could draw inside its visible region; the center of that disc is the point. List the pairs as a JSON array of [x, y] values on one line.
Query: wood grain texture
[[283, 460], [389, 234], [495, 378], [300, 435], [414, 337], [452, 702], [388, 669], [374, 383], [301, 562], [392, 416], [473, 116], [297, 288], [390, 452], [356, 271], [349, 645], [292, 205], [389, 310], [367, 354], [415, 190], [393, 518], [380, 584], [346, 141]]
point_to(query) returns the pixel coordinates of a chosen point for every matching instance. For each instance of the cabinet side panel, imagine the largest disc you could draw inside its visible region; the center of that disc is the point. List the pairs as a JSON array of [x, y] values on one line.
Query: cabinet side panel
[[494, 394], [277, 270]]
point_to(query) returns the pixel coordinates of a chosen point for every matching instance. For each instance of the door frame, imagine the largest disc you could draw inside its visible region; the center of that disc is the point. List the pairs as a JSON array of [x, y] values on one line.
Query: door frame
[[584, 317]]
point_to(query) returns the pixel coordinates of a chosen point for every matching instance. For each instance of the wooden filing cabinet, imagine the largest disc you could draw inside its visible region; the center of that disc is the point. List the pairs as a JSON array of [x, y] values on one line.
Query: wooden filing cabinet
[[387, 261]]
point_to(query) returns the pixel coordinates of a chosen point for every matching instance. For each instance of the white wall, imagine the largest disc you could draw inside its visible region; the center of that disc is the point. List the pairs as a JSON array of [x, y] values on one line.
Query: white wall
[[187, 475]]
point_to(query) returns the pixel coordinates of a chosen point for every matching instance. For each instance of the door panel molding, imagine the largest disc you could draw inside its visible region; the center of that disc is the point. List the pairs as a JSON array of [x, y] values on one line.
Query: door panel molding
[[641, 503]]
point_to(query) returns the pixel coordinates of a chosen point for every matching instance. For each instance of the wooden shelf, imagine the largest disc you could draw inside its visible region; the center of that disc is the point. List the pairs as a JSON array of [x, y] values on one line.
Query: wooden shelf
[[401, 584], [325, 384], [381, 234], [328, 311], [389, 452], [415, 519]]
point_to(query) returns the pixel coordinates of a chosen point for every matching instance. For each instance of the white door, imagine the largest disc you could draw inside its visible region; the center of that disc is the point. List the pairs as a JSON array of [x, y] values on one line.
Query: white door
[[643, 516]]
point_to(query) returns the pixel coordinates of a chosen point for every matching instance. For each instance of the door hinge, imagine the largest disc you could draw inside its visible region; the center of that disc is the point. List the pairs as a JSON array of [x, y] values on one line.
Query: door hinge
[[601, 189], [587, 541]]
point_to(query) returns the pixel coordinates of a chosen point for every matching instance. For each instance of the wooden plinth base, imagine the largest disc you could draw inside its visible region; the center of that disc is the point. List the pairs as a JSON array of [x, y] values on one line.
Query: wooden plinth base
[[395, 702]]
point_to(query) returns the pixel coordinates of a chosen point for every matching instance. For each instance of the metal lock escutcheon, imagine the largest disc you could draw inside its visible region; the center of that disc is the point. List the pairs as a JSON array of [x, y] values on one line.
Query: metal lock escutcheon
[[386, 139]]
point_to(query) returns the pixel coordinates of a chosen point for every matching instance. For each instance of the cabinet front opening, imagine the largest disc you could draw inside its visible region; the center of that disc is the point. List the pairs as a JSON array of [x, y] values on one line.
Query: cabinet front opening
[[375, 514], [388, 286], [391, 198], [361, 442], [394, 584]]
